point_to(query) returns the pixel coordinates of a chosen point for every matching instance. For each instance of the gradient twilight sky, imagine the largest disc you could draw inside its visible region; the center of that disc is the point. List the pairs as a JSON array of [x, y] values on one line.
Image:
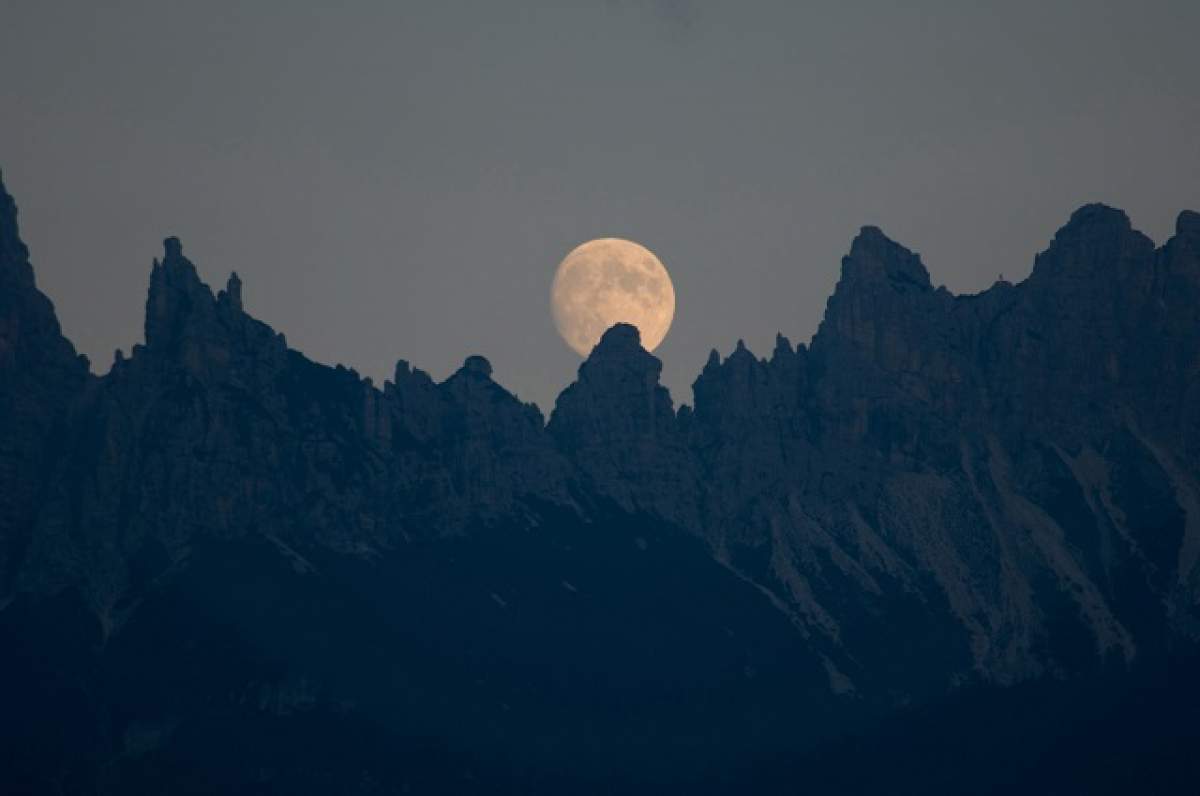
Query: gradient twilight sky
[[399, 180]]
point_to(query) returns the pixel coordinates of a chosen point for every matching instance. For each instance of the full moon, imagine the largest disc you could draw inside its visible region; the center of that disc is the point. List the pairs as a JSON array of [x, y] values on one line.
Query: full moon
[[607, 281]]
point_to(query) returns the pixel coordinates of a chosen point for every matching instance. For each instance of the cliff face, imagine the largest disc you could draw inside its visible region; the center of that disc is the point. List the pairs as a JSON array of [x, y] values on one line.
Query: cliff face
[[940, 490], [40, 379]]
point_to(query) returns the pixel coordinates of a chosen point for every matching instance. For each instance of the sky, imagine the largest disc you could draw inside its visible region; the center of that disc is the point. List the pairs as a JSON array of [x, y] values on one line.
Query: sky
[[400, 180]]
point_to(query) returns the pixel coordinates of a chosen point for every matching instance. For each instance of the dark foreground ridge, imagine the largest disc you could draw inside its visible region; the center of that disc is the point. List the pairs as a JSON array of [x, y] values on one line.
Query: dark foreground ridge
[[226, 568]]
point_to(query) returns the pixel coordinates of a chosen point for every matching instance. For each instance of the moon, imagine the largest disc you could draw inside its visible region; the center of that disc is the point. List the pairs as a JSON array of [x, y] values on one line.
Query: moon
[[607, 281]]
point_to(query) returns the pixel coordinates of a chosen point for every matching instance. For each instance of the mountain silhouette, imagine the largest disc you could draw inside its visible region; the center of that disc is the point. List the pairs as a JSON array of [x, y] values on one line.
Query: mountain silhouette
[[227, 568]]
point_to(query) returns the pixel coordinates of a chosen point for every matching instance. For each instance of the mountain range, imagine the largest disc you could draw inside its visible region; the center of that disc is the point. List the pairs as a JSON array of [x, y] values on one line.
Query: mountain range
[[227, 568]]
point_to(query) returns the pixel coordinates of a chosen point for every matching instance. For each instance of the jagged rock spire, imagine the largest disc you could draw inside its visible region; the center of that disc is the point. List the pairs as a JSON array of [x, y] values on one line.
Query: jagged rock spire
[[14, 256], [177, 299], [1187, 225], [233, 290], [40, 376], [618, 424], [617, 388], [29, 329]]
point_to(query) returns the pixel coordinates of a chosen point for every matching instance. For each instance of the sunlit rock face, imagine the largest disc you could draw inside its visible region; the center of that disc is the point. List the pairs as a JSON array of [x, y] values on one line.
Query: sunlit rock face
[[938, 491]]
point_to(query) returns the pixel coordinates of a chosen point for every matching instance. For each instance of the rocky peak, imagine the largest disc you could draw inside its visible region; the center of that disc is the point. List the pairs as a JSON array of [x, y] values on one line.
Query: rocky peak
[[1080, 320], [783, 348], [233, 291], [874, 257], [620, 349], [617, 391], [177, 299], [476, 367], [1093, 219], [1183, 250], [473, 391], [415, 397], [744, 386], [1185, 246], [29, 331], [713, 362], [618, 424], [14, 256], [405, 374], [881, 305], [495, 446], [1187, 225], [1097, 243], [40, 375], [209, 337], [473, 380], [623, 342], [173, 248]]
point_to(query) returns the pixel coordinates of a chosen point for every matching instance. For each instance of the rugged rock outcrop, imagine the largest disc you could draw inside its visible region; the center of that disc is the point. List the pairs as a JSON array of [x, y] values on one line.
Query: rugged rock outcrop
[[990, 453], [940, 490], [40, 378], [618, 426]]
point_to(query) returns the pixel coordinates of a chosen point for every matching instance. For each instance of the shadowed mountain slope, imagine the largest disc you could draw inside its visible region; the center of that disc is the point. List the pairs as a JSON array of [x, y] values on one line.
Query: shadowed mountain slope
[[224, 567]]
